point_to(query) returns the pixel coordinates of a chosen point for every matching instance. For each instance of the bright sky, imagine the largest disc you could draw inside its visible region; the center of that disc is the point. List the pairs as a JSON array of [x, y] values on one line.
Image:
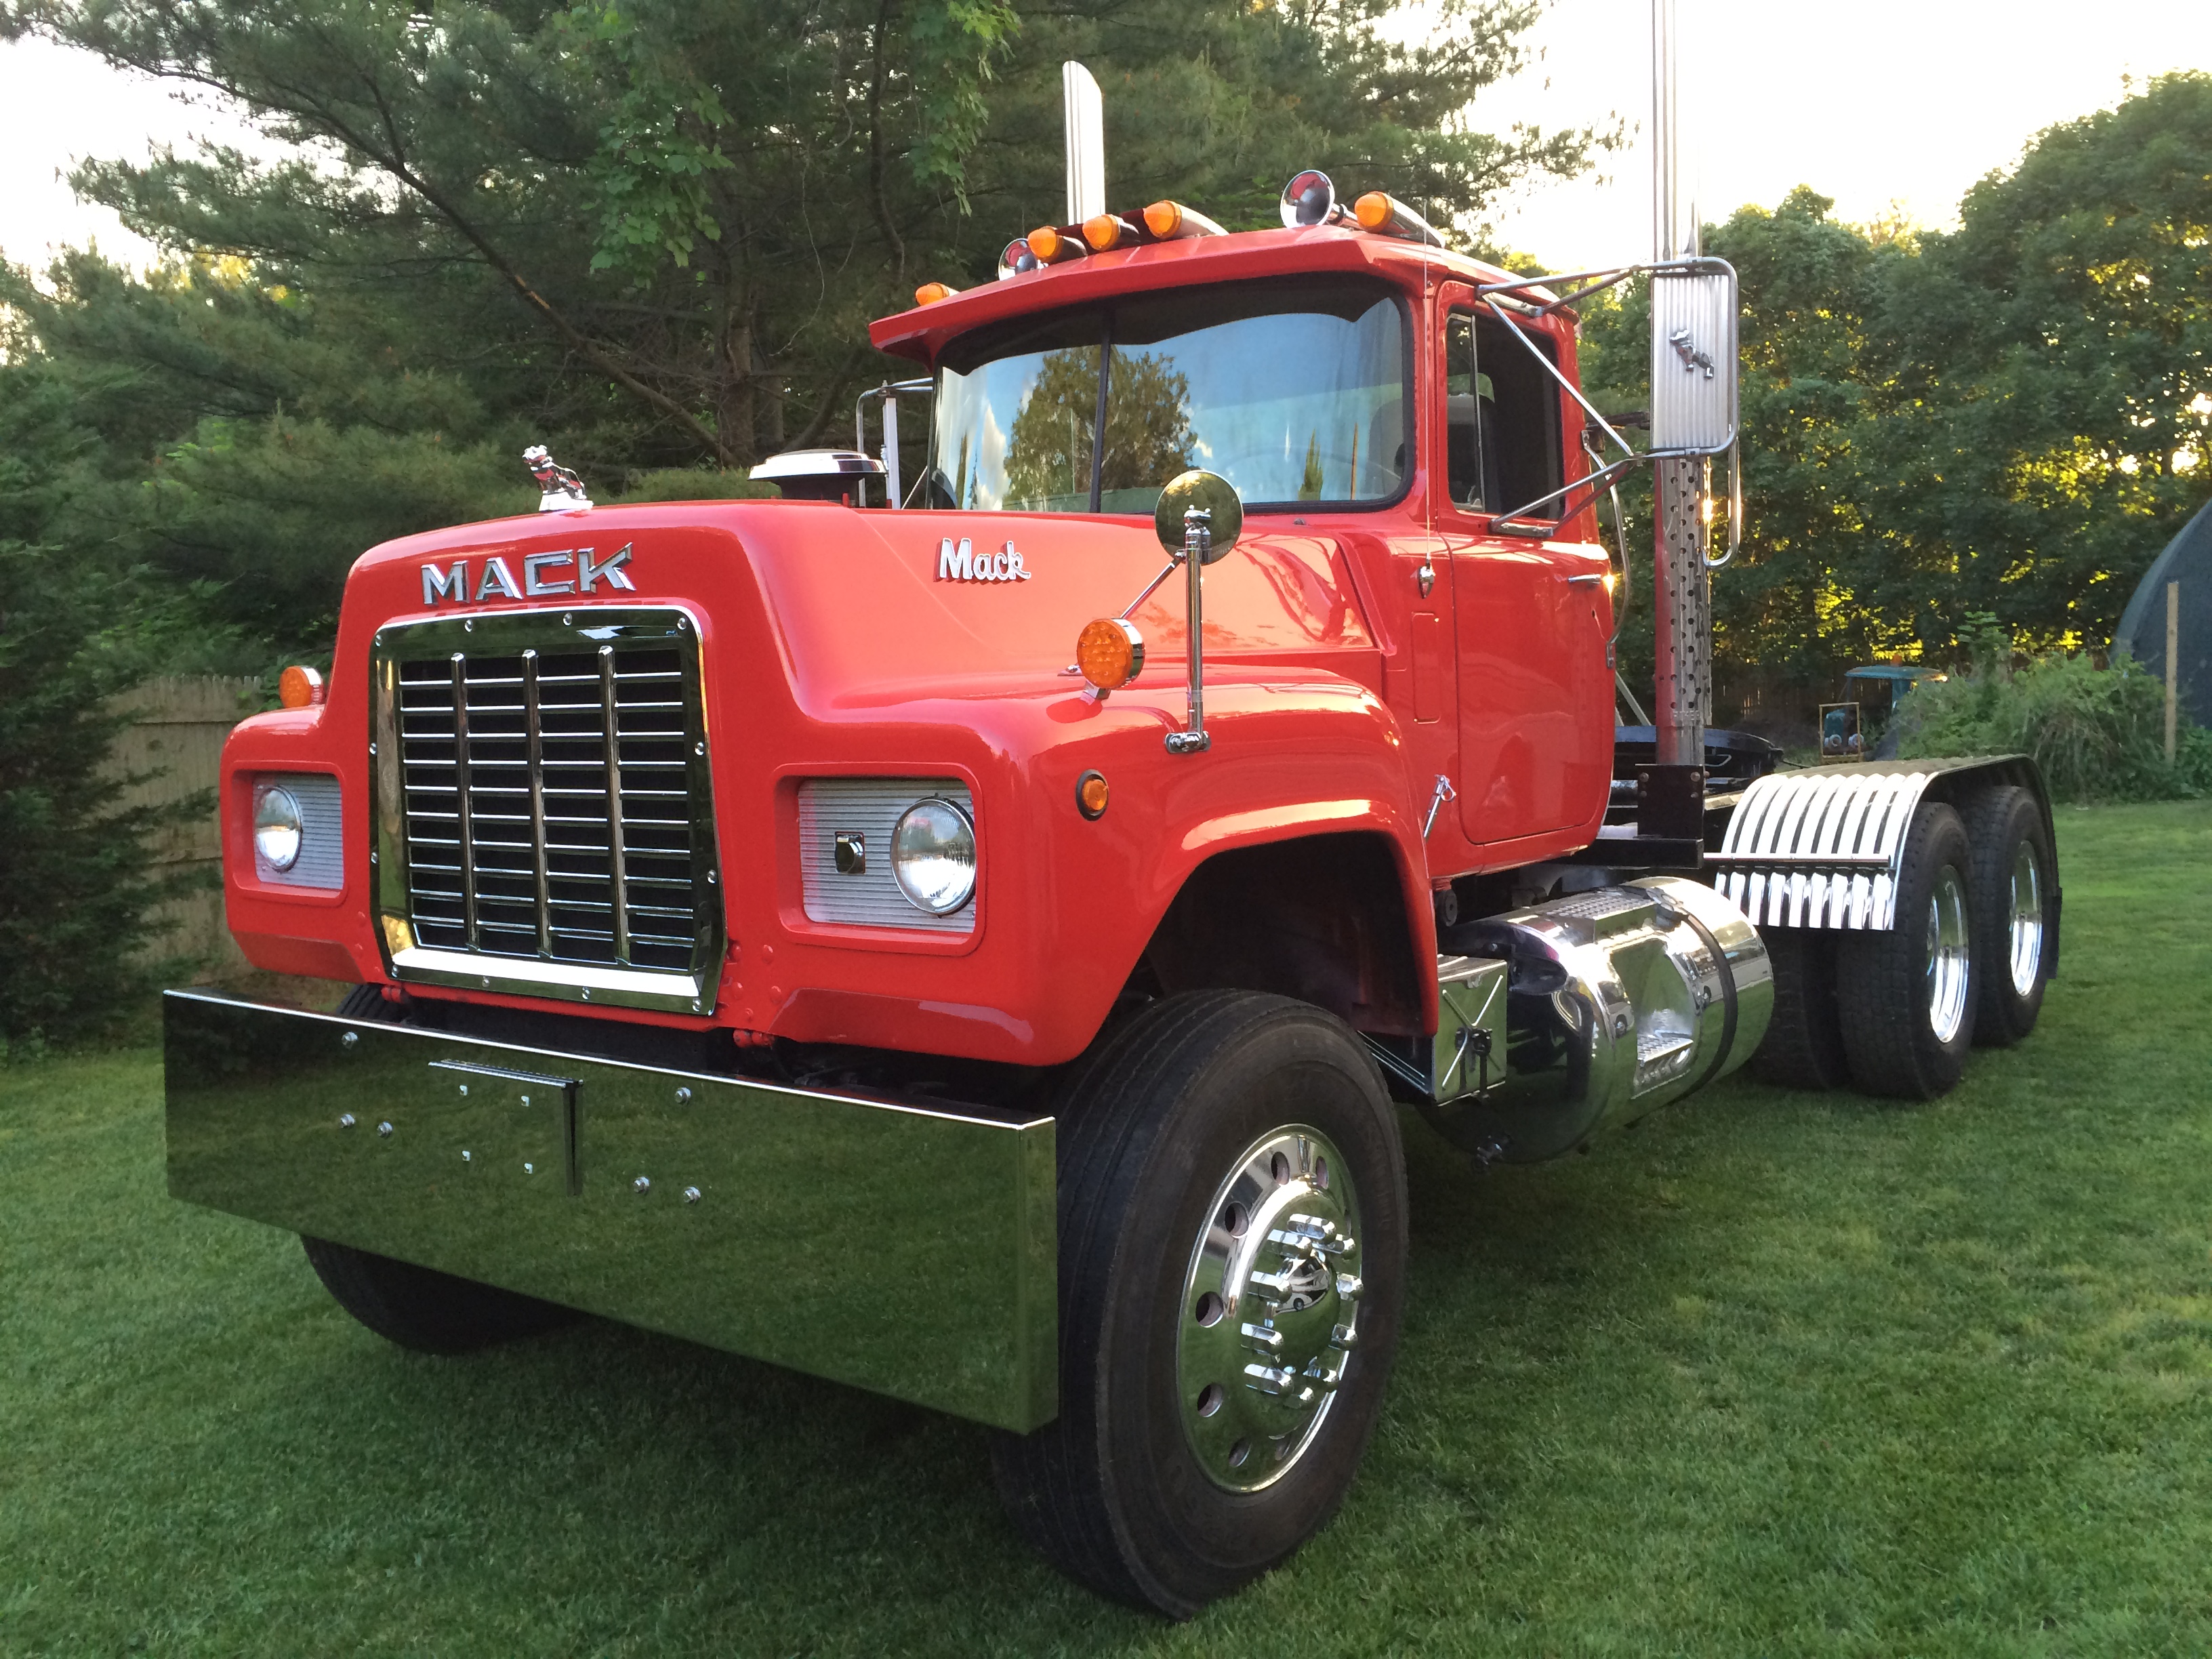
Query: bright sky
[[1875, 103]]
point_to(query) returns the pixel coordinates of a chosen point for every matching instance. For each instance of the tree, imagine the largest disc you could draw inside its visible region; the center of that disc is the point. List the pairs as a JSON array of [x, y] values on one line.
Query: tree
[[650, 233]]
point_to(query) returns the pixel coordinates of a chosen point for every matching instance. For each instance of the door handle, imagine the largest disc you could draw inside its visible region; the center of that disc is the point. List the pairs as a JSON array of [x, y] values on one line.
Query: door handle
[[1587, 579]]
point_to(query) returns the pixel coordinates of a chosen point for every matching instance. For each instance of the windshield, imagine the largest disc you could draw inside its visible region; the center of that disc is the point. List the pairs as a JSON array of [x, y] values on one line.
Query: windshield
[[1297, 393]]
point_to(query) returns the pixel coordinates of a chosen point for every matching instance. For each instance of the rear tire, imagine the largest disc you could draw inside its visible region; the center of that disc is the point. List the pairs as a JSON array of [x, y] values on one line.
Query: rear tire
[[1198, 1138], [1906, 996], [2013, 880], [421, 1309], [1804, 1044]]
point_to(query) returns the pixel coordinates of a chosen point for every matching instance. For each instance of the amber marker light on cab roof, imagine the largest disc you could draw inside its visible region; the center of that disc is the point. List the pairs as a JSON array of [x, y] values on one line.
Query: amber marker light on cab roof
[[1109, 653], [930, 292], [1171, 221], [1107, 231], [299, 687], [1389, 216], [1051, 244]]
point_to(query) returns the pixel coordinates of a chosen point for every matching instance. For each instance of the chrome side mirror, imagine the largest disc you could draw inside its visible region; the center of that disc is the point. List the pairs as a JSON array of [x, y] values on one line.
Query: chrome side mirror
[[1693, 357], [1205, 492]]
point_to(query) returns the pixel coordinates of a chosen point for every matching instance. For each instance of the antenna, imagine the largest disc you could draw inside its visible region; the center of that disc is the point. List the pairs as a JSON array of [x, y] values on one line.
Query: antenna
[[1085, 112]]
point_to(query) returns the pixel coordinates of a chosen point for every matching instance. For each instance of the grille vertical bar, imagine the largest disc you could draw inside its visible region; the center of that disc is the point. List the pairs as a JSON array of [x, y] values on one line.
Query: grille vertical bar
[[554, 812], [534, 732], [461, 783], [609, 717]]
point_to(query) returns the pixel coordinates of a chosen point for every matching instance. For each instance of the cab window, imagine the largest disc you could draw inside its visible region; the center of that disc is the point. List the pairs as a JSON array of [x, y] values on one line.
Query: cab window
[[1501, 417]]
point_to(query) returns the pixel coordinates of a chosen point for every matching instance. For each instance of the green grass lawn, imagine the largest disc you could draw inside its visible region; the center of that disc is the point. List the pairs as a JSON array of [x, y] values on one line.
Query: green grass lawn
[[1774, 1374]]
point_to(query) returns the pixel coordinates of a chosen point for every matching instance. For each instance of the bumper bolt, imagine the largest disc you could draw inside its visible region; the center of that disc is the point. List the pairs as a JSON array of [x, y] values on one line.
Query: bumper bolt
[[642, 1185], [345, 1120], [383, 1129], [691, 1194]]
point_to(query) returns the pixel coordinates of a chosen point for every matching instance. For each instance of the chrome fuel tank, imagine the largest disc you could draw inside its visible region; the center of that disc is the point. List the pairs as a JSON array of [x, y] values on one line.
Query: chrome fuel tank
[[1616, 1001]]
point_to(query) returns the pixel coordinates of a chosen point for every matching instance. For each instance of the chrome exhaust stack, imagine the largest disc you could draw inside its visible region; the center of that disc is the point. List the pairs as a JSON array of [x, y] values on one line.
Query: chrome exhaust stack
[[1585, 1013]]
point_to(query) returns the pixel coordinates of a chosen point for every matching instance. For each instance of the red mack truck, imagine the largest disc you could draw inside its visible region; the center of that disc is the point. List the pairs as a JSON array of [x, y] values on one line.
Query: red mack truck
[[973, 937]]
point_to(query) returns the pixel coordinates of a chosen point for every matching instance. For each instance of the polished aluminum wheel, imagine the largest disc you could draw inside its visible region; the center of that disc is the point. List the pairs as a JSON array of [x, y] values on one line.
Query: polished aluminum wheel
[[2026, 942], [1948, 955], [1270, 1308]]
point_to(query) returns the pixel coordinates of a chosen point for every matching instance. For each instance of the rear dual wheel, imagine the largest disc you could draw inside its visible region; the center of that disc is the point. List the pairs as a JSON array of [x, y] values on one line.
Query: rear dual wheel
[[1232, 1225]]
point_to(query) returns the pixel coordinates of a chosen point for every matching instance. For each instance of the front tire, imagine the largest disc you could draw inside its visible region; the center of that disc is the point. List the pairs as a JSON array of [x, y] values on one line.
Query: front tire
[[421, 1309], [1232, 1226], [1907, 996]]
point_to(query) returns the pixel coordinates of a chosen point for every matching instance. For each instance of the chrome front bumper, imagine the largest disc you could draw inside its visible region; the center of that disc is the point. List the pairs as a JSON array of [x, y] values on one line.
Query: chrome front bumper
[[908, 1250]]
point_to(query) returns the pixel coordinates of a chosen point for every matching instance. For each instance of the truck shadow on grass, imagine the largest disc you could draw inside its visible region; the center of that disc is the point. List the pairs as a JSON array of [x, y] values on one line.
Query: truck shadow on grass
[[623, 1476]]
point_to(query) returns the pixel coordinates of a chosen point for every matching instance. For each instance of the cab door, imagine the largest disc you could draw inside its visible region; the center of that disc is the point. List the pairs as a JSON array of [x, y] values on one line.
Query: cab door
[[1533, 615]]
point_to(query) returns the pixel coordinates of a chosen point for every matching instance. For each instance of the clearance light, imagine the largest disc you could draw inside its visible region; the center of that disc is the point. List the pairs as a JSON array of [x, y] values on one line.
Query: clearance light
[[1107, 231], [1389, 216], [1091, 795], [930, 292], [1052, 245], [1109, 653], [299, 687], [1016, 259], [1170, 221]]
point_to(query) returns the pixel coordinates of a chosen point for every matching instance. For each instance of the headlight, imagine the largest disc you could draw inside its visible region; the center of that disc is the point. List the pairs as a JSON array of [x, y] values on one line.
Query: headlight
[[276, 827], [933, 857]]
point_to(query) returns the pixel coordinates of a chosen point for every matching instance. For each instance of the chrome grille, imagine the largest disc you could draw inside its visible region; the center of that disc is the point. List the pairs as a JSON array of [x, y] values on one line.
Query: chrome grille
[[554, 804]]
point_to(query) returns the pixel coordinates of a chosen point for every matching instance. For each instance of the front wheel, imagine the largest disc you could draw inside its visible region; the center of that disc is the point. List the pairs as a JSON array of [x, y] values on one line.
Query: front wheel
[[421, 1309], [1232, 1215]]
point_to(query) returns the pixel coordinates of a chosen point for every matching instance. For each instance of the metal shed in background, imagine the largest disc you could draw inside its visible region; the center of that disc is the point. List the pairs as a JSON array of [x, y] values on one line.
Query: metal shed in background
[[2141, 632]]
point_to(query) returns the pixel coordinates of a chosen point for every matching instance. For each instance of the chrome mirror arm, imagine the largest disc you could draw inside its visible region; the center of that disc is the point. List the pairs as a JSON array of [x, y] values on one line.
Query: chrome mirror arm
[[1197, 543]]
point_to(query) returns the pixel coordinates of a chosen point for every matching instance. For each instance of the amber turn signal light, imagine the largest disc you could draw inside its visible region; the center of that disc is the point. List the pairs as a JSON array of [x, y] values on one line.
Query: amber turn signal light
[[1378, 211], [1109, 653], [299, 687], [930, 292], [1091, 795]]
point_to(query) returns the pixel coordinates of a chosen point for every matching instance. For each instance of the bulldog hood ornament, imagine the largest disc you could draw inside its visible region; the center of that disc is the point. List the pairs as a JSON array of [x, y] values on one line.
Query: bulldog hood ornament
[[562, 491]]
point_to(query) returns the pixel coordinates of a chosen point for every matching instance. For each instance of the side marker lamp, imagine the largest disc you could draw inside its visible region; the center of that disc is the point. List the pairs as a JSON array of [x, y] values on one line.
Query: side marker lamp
[[1091, 795], [930, 292], [1171, 222], [299, 687], [1109, 653]]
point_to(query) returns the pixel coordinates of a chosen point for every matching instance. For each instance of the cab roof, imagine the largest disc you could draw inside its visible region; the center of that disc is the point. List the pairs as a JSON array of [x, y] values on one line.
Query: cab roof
[[923, 333]]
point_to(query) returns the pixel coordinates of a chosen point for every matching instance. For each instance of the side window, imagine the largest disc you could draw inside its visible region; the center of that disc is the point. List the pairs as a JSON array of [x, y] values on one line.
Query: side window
[[1470, 430], [1501, 418]]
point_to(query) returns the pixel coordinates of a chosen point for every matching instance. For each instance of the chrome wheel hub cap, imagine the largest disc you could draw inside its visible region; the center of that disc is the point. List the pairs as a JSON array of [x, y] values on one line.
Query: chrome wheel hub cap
[[1270, 1308], [2027, 941], [1947, 955]]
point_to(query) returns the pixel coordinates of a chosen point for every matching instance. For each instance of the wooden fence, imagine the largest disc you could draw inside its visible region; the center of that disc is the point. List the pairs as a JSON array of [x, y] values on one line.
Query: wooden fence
[[173, 746]]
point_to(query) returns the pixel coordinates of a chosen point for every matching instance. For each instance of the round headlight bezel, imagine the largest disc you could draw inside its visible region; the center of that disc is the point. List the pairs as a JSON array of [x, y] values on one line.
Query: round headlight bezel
[[931, 874], [277, 816]]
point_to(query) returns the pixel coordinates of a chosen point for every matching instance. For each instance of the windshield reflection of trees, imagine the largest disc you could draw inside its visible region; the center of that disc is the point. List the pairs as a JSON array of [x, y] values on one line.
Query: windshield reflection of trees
[[1148, 434]]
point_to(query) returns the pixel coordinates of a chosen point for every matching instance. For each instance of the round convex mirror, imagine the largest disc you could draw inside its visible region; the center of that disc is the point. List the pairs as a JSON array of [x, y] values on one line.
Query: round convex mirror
[[1209, 492]]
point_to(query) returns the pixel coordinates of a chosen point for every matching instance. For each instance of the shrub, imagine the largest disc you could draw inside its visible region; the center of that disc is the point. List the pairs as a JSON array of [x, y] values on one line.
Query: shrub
[[2099, 733], [74, 884]]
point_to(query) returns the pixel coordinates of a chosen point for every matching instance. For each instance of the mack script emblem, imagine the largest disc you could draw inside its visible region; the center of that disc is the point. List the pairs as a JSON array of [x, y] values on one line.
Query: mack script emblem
[[964, 564], [573, 570]]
